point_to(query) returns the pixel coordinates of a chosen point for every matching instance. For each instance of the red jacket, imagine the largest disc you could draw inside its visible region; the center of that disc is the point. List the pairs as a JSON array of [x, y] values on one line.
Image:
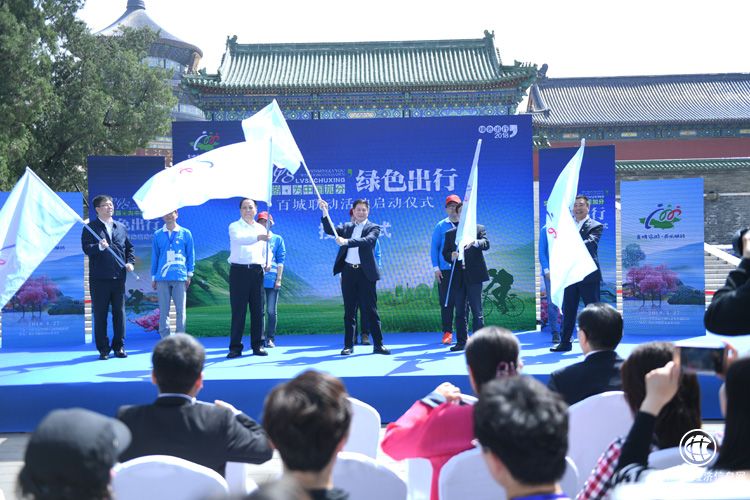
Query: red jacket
[[436, 434]]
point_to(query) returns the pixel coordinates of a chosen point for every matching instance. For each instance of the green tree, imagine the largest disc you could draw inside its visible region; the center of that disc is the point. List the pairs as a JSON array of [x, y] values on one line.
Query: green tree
[[632, 255], [66, 94]]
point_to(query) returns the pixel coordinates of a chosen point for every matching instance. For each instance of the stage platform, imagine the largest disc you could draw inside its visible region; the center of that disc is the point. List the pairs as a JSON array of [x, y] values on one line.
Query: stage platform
[[33, 382]]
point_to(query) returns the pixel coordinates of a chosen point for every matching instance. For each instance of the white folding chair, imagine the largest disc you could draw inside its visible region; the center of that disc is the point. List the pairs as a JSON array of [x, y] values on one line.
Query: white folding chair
[[466, 476], [235, 474], [666, 458], [418, 478], [364, 431], [593, 424], [569, 481], [159, 477], [365, 478]]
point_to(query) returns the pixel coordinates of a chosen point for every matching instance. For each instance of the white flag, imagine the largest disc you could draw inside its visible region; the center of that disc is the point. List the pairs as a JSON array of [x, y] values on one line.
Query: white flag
[[32, 222], [269, 125], [240, 169], [569, 260], [467, 225]]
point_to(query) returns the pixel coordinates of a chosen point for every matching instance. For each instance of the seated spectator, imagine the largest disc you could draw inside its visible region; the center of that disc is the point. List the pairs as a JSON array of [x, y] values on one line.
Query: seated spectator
[[179, 425], [661, 385], [307, 420], [599, 333], [523, 429], [440, 425], [729, 310], [681, 414], [285, 488], [70, 454]]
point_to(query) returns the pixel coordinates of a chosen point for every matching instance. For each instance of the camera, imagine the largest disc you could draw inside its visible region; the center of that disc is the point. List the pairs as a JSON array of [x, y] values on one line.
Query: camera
[[737, 241], [695, 359]]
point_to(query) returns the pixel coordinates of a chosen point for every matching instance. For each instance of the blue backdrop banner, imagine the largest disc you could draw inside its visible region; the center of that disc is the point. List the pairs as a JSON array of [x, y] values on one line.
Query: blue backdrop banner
[[120, 177], [48, 308], [405, 168], [597, 182], [663, 287]]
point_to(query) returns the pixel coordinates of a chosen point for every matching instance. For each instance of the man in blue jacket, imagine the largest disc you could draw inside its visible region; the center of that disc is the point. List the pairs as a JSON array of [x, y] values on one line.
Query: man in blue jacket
[[172, 266], [272, 277], [440, 266]]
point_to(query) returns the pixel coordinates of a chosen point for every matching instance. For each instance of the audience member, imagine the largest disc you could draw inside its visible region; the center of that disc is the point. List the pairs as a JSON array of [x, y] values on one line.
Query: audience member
[[179, 425], [729, 311], [599, 333], [70, 454], [307, 420], [681, 414], [523, 430], [285, 488], [440, 425], [733, 453]]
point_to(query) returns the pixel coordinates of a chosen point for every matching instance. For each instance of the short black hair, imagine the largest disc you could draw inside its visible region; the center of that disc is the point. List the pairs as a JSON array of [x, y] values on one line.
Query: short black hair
[[487, 348], [177, 363], [733, 455], [361, 201], [250, 199], [602, 324], [100, 198], [584, 198], [525, 425], [306, 419]]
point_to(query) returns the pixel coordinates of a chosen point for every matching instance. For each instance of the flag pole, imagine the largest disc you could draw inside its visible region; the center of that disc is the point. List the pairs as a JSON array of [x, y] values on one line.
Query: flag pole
[[315, 188], [270, 195], [450, 280]]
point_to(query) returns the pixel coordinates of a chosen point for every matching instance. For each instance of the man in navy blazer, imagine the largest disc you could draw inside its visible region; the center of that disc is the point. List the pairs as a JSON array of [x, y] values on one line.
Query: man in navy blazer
[[107, 275], [177, 424], [599, 333], [468, 279], [359, 272], [588, 288]]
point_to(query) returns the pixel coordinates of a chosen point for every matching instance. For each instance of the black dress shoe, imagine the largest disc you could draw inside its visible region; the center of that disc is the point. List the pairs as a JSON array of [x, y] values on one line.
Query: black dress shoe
[[346, 351], [103, 355], [120, 353], [458, 347], [234, 354], [562, 347], [381, 349], [260, 352], [365, 339]]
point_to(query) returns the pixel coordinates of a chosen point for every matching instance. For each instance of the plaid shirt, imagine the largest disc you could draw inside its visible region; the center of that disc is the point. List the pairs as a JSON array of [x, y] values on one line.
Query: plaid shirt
[[597, 485]]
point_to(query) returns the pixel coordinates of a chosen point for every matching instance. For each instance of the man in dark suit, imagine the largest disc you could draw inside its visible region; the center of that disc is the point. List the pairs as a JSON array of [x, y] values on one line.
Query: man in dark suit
[[107, 274], [177, 424], [588, 288], [359, 272], [599, 333], [466, 287]]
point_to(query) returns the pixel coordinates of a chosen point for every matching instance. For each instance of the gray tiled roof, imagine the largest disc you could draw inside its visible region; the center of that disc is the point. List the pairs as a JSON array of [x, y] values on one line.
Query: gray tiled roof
[[641, 100], [381, 66], [699, 164], [135, 17]]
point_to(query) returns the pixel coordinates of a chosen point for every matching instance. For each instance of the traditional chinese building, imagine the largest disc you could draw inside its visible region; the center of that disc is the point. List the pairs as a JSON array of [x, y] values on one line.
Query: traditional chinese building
[[168, 52], [646, 117], [662, 127], [362, 80]]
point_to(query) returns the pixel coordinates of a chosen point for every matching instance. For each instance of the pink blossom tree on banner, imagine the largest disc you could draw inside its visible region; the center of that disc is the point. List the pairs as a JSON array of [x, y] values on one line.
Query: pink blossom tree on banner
[[652, 281], [35, 294]]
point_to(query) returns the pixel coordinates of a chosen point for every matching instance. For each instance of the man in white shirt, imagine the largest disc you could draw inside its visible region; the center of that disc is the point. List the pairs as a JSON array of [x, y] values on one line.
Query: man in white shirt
[[247, 257]]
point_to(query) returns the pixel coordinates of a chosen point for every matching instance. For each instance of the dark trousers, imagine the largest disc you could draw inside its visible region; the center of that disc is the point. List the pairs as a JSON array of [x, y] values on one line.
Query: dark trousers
[[246, 288], [588, 290], [360, 292], [467, 297], [106, 292], [446, 312]]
